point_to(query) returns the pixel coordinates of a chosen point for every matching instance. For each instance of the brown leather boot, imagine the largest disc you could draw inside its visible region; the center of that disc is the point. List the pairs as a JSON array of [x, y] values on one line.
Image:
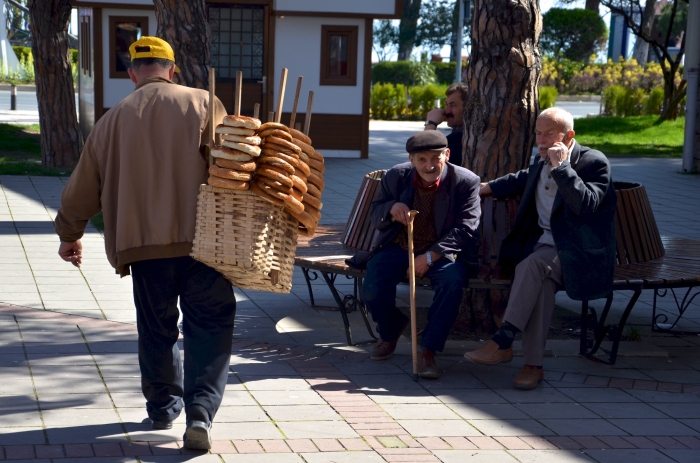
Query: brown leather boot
[[490, 354], [383, 349], [427, 368], [528, 377]]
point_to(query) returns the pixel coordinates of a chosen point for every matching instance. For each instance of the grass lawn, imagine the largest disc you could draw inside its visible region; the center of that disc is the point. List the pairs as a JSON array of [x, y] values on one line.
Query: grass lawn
[[632, 136], [20, 151]]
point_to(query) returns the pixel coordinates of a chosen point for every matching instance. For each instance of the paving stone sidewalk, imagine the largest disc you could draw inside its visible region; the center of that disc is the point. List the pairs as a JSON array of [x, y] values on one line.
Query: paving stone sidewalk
[[69, 377]]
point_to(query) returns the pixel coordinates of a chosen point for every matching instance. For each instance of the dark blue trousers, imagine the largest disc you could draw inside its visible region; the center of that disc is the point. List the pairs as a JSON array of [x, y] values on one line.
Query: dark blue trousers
[[208, 309], [386, 269]]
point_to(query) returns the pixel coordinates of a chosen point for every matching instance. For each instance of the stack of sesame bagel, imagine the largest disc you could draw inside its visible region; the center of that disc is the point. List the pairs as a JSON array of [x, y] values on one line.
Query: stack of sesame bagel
[[311, 199], [235, 158], [281, 173]]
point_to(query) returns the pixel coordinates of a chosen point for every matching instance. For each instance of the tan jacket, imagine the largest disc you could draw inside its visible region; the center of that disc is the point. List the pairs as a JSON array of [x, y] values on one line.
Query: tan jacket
[[142, 166]]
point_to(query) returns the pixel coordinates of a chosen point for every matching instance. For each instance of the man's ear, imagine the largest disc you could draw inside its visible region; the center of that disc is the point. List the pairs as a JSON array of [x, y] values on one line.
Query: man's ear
[[570, 134], [410, 158], [171, 73], [132, 75], [447, 154]]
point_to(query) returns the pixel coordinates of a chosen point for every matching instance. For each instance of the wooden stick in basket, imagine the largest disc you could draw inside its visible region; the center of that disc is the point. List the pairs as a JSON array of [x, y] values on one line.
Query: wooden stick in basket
[[296, 103], [271, 116], [309, 107], [280, 97], [212, 122], [256, 111], [239, 86]]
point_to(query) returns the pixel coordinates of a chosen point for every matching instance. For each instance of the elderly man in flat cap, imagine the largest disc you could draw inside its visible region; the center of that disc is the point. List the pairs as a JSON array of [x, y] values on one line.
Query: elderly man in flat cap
[[445, 243]]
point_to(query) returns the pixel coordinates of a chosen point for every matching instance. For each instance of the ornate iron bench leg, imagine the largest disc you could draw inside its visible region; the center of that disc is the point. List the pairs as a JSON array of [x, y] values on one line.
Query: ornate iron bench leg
[[601, 330], [363, 308], [659, 322], [330, 281], [309, 279]]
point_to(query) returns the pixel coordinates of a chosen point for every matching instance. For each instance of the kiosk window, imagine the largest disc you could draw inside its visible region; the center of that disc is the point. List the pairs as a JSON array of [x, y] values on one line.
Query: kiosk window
[[123, 31], [339, 55]]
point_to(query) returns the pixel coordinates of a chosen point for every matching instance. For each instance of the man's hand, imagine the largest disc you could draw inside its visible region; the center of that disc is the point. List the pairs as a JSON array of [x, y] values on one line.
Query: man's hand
[[485, 190], [436, 115], [399, 211], [71, 252], [557, 154], [420, 264]]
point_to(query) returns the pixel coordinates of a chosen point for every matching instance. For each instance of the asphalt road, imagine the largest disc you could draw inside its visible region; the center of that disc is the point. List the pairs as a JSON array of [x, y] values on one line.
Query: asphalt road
[[26, 101]]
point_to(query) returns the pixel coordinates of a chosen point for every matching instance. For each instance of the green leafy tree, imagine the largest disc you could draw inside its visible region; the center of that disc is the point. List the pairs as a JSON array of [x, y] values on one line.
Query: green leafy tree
[[659, 39], [436, 24], [575, 34], [385, 39]]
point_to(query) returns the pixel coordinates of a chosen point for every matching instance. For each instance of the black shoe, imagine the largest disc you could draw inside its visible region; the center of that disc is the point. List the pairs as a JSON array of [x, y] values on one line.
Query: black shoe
[[160, 425], [197, 435]]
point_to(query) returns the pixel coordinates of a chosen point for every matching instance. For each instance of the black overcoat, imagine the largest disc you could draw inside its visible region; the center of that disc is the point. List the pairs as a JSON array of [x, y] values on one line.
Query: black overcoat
[[582, 221]]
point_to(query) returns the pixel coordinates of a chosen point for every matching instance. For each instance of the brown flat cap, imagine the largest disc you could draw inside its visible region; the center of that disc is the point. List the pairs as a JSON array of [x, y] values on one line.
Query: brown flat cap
[[427, 140]]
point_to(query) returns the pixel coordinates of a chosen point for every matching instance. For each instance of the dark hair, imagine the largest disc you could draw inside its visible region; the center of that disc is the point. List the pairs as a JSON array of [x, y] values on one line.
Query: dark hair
[[146, 62], [460, 87]]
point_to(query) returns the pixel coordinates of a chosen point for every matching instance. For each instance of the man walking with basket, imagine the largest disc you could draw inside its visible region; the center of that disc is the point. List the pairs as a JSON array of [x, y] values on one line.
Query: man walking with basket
[[142, 165]]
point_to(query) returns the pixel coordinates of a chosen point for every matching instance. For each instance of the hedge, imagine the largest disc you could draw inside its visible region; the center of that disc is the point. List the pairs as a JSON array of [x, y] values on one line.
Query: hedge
[[389, 101]]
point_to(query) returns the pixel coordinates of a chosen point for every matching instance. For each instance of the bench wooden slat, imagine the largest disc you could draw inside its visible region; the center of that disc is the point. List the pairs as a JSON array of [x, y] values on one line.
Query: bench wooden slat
[[355, 210]]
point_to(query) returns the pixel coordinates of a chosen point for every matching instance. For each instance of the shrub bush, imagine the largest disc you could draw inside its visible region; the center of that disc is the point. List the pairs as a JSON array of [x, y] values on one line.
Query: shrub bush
[[22, 52], [547, 97], [389, 101], [410, 73], [623, 102], [444, 72]]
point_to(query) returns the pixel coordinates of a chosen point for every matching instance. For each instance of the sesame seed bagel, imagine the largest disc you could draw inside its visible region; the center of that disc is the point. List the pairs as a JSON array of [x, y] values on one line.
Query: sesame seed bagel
[[242, 121], [274, 125], [284, 143], [248, 149], [264, 194], [227, 184], [274, 173], [252, 140], [312, 201], [226, 130], [230, 174], [274, 133], [300, 136], [235, 165], [224, 152]]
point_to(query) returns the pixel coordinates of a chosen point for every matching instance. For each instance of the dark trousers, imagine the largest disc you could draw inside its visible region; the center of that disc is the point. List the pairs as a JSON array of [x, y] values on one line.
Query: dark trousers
[[208, 309], [386, 269]]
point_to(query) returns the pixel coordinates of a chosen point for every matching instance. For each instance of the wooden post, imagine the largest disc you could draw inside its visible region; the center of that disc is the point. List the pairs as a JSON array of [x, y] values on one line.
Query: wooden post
[[239, 86], [412, 291], [309, 107], [296, 103], [256, 111], [271, 116], [280, 97], [212, 122]]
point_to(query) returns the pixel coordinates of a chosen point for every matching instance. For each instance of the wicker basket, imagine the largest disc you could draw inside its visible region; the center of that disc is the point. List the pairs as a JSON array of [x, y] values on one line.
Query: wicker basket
[[249, 240]]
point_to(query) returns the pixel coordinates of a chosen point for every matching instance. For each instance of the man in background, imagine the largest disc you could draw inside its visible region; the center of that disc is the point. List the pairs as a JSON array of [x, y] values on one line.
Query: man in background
[[453, 115]]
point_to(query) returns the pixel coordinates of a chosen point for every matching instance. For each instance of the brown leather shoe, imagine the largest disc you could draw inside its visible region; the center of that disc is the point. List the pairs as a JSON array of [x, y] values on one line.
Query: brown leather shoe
[[490, 354], [427, 368], [383, 349], [528, 377]]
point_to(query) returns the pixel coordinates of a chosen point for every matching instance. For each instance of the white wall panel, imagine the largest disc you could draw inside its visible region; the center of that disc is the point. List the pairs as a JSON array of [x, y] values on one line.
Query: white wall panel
[[298, 48]]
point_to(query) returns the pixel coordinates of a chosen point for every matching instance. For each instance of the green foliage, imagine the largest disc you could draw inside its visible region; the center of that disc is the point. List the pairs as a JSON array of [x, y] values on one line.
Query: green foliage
[[410, 73], [624, 102], [547, 97], [444, 72], [73, 56], [436, 24], [572, 33], [632, 136], [679, 22], [389, 101], [385, 39], [22, 52]]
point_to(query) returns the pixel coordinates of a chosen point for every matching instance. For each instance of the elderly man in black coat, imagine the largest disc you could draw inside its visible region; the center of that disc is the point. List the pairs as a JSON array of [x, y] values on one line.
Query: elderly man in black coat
[[564, 235], [445, 243]]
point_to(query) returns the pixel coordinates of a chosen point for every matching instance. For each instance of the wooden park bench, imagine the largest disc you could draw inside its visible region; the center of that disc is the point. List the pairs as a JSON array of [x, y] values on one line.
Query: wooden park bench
[[645, 260]]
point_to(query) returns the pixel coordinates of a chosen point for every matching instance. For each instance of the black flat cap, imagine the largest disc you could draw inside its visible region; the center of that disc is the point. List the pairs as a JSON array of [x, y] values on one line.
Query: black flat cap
[[427, 140]]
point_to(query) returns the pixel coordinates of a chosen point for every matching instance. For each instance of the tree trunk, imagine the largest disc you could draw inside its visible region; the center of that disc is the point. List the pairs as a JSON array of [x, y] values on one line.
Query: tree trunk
[[641, 46], [453, 37], [61, 139], [593, 5], [407, 28], [185, 26], [500, 112]]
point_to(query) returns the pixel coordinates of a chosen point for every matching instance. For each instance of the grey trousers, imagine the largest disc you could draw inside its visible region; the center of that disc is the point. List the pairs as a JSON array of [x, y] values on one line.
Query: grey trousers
[[531, 301]]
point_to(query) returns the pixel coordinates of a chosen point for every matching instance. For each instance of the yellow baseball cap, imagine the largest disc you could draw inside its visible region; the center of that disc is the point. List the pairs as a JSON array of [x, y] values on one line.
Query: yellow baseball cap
[[152, 47]]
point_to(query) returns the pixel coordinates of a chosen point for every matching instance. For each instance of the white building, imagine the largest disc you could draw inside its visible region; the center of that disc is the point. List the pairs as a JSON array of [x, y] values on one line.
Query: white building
[[329, 42]]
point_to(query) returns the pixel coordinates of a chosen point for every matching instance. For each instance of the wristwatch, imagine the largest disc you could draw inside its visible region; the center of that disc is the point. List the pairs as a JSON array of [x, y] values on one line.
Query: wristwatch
[[429, 258], [429, 122]]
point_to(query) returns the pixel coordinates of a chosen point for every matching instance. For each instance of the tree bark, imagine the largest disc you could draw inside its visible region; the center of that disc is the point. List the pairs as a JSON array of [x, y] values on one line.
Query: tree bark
[[185, 26], [407, 28], [593, 5], [641, 46], [501, 109], [61, 139]]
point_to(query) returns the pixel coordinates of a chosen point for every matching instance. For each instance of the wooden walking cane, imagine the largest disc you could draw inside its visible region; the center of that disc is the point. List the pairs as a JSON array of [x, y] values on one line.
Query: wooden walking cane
[[412, 289], [212, 125]]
